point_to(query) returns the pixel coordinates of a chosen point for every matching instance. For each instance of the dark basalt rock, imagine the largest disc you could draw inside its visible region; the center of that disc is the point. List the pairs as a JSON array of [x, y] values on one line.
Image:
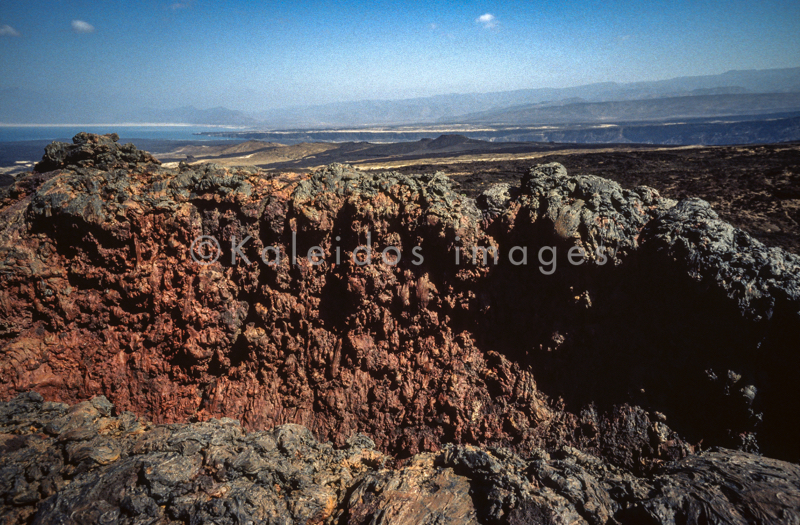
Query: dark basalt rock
[[92, 151], [81, 464], [597, 213], [747, 321], [762, 281], [676, 333], [724, 486], [87, 464]]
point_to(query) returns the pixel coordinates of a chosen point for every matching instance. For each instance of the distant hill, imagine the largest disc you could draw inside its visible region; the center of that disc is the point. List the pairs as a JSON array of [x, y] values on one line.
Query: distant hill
[[25, 106], [656, 109], [191, 115], [452, 108]]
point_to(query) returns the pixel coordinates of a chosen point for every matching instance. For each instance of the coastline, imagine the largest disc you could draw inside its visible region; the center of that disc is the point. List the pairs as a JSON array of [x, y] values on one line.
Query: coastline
[[122, 124]]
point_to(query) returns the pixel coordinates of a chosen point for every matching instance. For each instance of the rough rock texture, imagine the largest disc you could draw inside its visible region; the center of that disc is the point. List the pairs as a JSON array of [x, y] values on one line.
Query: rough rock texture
[[82, 464], [90, 464], [101, 295], [495, 199], [93, 151], [754, 187]]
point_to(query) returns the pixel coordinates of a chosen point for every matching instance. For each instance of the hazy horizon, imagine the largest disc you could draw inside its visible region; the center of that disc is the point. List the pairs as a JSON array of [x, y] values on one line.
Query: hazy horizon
[[167, 54], [179, 105]]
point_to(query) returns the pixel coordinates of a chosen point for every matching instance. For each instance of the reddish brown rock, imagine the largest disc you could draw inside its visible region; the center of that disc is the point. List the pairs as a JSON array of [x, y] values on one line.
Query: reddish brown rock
[[101, 295]]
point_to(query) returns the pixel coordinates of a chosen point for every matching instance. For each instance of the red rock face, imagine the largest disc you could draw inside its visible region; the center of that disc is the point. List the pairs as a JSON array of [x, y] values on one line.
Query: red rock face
[[101, 295]]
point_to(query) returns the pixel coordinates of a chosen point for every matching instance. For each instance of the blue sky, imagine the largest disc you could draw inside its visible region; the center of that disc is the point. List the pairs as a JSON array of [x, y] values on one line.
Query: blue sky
[[261, 55]]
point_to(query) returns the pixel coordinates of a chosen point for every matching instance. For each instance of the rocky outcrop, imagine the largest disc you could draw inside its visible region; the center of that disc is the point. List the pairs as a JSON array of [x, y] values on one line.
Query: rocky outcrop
[[85, 464], [686, 316], [88, 463], [92, 151], [675, 333]]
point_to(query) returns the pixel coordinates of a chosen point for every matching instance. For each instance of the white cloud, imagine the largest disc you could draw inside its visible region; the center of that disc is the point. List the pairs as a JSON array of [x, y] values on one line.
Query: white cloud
[[488, 21], [79, 26], [181, 5], [8, 31]]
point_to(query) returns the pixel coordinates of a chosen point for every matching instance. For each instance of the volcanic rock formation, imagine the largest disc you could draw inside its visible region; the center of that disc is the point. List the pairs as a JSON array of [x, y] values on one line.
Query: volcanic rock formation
[[421, 339], [82, 464]]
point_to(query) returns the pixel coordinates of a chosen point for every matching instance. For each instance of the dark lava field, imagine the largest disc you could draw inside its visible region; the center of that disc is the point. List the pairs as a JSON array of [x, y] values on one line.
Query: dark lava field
[[754, 187]]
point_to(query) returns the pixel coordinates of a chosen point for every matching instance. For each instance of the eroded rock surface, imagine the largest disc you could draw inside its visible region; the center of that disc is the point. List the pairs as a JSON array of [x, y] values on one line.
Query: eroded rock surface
[[677, 330], [82, 464], [89, 463]]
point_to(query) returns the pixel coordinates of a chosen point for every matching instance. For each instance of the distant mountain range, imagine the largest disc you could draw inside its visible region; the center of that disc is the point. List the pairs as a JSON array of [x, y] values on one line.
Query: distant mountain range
[[191, 115], [652, 109], [459, 107], [751, 92]]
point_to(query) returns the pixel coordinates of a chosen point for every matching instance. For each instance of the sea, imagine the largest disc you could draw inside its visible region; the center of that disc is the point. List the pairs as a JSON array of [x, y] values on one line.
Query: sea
[[10, 133], [22, 146]]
